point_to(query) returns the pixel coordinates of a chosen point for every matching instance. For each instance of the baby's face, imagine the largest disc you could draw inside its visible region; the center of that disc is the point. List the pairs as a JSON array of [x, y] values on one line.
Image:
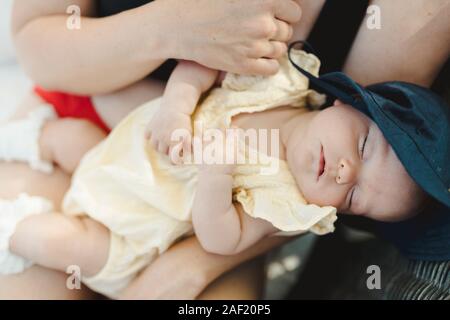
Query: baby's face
[[340, 158]]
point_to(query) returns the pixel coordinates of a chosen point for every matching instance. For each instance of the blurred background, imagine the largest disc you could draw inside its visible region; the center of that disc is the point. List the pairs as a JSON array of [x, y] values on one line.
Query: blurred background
[[13, 82]]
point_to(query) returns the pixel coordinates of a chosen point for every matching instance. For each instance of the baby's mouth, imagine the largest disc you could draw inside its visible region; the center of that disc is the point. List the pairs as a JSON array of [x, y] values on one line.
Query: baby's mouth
[[321, 169]]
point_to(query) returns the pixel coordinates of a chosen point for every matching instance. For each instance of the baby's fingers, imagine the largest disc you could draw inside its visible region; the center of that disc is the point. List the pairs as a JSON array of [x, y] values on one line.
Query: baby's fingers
[[180, 150], [148, 133], [165, 143], [157, 143], [163, 147], [152, 140]]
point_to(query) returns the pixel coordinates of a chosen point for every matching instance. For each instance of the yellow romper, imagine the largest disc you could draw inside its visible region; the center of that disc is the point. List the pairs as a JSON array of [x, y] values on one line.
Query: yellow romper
[[146, 202]]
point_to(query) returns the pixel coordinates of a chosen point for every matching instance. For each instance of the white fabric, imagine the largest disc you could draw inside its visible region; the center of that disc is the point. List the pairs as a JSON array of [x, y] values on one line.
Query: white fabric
[[19, 140], [11, 213]]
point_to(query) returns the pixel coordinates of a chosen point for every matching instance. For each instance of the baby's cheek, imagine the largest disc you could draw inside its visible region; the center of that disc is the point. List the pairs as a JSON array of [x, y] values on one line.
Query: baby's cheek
[[316, 195], [323, 196]]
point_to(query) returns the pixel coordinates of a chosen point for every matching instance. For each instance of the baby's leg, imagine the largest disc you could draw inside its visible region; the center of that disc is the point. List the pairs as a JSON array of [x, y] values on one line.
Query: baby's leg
[[64, 142], [36, 136], [111, 107], [56, 241], [36, 282]]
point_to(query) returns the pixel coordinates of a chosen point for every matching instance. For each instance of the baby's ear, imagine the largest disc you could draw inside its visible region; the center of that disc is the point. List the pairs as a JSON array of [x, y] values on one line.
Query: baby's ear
[[337, 102]]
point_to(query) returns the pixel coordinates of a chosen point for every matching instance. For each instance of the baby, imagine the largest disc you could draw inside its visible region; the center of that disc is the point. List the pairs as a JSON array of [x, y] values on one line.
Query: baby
[[128, 202]]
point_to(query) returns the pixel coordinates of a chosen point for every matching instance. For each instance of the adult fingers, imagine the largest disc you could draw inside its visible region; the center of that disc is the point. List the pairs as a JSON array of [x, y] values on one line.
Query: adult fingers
[[278, 50], [268, 49], [284, 31], [262, 66], [288, 10]]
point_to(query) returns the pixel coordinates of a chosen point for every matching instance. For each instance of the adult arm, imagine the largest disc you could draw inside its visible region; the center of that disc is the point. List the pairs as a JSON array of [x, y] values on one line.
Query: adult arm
[[102, 56], [109, 53], [412, 44], [185, 270]]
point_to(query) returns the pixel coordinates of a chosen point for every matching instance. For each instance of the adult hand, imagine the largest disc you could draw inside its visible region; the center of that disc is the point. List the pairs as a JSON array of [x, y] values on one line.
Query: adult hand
[[178, 273], [244, 36], [185, 270]]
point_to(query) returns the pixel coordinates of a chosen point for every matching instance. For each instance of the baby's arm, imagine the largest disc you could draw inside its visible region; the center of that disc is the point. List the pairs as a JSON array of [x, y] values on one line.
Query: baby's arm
[[221, 227], [184, 88]]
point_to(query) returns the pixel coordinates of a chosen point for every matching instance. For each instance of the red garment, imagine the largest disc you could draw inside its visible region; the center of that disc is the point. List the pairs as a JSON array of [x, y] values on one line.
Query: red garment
[[72, 106]]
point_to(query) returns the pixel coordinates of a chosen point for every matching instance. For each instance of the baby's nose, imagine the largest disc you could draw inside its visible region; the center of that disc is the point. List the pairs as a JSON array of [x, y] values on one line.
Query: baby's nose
[[346, 172]]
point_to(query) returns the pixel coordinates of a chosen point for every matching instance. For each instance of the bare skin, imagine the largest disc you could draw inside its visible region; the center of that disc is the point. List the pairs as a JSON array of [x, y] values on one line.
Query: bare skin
[[359, 70], [22, 179], [403, 48], [355, 63], [98, 61], [56, 241], [42, 283]]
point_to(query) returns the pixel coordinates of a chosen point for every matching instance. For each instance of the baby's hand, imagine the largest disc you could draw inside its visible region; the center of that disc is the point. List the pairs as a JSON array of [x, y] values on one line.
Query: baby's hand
[[167, 129]]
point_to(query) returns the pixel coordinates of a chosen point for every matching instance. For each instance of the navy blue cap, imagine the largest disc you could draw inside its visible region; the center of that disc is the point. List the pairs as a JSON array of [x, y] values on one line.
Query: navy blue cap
[[416, 123]]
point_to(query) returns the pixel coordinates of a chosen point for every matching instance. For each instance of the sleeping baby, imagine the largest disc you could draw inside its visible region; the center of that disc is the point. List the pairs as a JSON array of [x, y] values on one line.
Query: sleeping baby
[[138, 191]]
